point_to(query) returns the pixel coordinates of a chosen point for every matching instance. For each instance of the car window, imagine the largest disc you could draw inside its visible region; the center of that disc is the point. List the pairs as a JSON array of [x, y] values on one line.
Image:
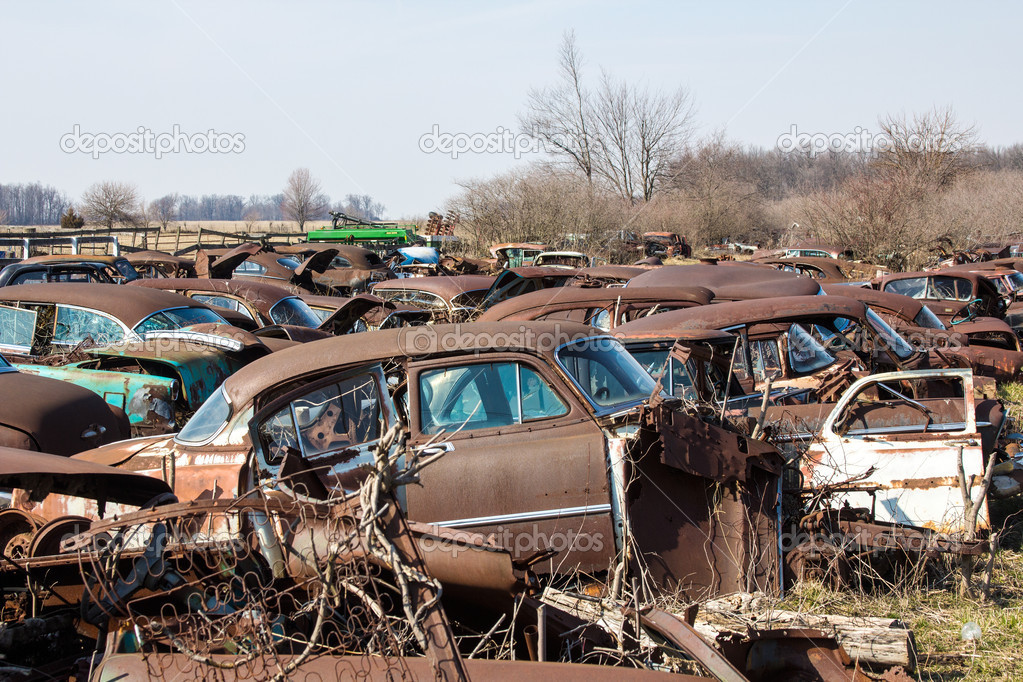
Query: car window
[[915, 287], [248, 267], [295, 311], [605, 372], [74, 325], [765, 358], [223, 302], [176, 318], [17, 327], [888, 407], [290, 262], [950, 288], [29, 277], [482, 396], [329, 419], [340, 262]]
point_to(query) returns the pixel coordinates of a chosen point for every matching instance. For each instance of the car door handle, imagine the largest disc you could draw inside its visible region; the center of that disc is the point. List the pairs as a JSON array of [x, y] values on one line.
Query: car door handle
[[431, 449]]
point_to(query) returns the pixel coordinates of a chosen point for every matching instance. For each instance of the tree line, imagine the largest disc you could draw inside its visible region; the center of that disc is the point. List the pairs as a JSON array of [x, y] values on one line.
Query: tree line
[[111, 203]]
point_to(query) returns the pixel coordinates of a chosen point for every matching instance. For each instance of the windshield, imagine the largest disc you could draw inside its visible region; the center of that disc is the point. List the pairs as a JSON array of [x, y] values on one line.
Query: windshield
[[926, 318], [207, 420], [674, 377], [892, 340], [1015, 280], [806, 354], [176, 318], [294, 311], [606, 374]]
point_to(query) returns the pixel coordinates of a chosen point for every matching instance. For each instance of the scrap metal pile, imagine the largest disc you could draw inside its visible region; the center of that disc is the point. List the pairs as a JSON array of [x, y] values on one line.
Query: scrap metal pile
[[562, 470]]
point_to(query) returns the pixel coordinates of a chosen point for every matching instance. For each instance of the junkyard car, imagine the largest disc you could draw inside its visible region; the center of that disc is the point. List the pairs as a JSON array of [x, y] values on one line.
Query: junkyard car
[[37, 413], [732, 281], [516, 255], [43, 318], [448, 299], [546, 439], [68, 268], [605, 308], [160, 264], [953, 295]]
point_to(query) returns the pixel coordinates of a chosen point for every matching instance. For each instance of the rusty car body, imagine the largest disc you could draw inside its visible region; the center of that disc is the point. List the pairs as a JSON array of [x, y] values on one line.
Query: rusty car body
[[40, 319], [47, 415], [789, 340], [953, 295], [352, 266], [602, 308], [826, 269], [159, 264], [248, 304], [475, 393], [68, 268], [516, 254], [729, 281], [517, 281], [986, 344], [160, 381], [447, 298]]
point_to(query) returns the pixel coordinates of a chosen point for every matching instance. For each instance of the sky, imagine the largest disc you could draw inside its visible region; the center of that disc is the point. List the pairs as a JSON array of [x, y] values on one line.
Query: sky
[[361, 92]]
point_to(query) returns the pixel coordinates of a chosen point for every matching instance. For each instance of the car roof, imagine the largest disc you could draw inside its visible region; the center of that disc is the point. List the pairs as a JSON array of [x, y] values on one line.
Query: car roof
[[445, 286], [562, 298], [756, 311], [261, 294], [129, 304], [316, 357]]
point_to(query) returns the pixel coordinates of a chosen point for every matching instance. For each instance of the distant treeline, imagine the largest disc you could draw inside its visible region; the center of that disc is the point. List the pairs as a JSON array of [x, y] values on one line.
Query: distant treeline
[[38, 204]]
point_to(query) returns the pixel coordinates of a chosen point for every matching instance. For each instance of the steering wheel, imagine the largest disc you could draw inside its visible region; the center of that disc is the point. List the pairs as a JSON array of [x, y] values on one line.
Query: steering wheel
[[602, 394], [970, 309]]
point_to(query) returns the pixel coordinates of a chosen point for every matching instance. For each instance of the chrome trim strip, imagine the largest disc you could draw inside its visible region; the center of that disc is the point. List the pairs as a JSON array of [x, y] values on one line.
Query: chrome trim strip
[[540, 515]]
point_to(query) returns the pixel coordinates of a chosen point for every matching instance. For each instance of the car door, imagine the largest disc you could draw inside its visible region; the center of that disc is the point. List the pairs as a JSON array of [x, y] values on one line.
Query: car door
[[522, 457], [319, 435], [898, 456]]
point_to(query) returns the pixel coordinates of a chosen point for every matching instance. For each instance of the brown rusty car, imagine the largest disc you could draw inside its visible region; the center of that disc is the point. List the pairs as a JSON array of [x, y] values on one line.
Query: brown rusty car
[[545, 436], [603, 308], [42, 318], [729, 281], [447, 298], [47, 415], [953, 295]]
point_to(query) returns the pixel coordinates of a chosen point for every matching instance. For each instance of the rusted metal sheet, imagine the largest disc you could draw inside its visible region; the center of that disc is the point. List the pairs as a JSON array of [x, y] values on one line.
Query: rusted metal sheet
[[39, 474], [148, 400], [55, 416]]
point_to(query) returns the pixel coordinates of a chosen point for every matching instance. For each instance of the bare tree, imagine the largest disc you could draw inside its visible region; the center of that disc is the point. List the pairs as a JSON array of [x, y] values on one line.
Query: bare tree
[[623, 135], [303, 199], [559, 116], [362, 206], [110, 203], [930, 150], [3, 216], [164, 210]]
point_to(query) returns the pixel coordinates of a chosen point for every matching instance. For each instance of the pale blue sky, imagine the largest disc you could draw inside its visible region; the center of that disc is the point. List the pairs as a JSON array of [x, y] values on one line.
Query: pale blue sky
[[348, 89]]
